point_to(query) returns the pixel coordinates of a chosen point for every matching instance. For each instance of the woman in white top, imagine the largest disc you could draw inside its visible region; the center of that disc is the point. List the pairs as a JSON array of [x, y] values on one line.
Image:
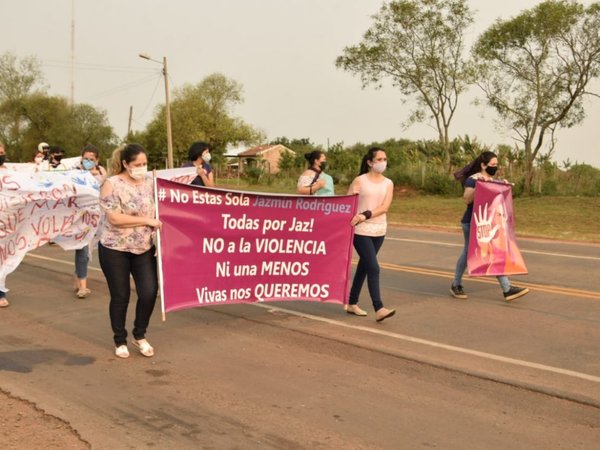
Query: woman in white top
[[375, 193]]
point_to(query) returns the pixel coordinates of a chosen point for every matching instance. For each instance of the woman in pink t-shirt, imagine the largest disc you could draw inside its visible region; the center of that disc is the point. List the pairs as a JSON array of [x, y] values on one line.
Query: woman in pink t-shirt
[[375, 193]]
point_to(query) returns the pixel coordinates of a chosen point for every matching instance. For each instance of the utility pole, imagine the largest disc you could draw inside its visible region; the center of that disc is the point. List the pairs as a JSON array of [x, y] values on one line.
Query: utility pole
[[129, 122], [168, 113], [72, 52], [168, 107]]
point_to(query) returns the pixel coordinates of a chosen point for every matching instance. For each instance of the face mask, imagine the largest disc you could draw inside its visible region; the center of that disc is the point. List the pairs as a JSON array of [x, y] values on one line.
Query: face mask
[[138, 173], [39, 159], [57, 158], [324, 165], [2, 159], [206, 158], [87, 164], [491, 170], [379, 167]]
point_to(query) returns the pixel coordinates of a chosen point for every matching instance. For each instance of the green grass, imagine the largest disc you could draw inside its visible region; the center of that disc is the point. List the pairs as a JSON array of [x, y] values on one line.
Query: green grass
[[567, 218]]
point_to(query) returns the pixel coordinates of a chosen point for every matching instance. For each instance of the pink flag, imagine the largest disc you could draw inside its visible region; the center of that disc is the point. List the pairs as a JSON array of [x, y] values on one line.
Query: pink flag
[[492, 244], [226, 247]]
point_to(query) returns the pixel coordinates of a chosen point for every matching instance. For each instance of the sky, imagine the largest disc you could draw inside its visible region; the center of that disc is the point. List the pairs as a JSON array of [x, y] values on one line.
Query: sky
[[281, 51]]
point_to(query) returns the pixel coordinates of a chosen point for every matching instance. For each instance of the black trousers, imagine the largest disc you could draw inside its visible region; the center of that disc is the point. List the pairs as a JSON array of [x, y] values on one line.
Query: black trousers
[[117, 267]]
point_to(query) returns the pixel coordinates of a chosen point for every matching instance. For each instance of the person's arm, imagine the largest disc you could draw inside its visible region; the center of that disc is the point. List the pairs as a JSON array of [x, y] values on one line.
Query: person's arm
[[121, 220], [387, 202], [469, 194], [304, 187], [207, 177]]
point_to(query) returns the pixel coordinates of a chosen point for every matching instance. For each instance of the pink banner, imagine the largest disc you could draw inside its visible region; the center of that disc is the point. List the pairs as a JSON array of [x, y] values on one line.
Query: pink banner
[[225, 247], [492, 244]]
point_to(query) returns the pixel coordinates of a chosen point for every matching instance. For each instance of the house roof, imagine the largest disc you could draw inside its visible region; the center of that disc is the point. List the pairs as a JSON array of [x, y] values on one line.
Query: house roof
[[262, 149]]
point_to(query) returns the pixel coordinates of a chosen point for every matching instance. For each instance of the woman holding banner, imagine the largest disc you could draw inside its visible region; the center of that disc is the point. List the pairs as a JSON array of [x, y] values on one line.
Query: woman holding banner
[[199, 156], [126, 245], [375, 193], [90, 157], [484, 167], [314, 181]]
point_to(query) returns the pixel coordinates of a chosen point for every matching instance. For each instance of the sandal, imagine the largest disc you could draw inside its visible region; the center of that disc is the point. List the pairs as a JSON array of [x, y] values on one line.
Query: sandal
[[145, 348], [122, 351], [4, 303], [83, 293]]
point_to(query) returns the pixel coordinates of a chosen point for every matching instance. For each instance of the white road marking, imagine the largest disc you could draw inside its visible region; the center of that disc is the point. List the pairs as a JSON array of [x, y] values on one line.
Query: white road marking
[[532, 252], [452, 348], [68, 263]]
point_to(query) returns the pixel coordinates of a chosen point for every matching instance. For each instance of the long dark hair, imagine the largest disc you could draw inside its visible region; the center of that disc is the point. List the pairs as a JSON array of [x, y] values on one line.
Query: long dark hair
[[312, 157], [364, 166], [474, 166]]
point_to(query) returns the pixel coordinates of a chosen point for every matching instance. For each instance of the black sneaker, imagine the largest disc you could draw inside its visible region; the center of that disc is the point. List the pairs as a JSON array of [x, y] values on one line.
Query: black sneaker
[[515, 292], [457, 291]]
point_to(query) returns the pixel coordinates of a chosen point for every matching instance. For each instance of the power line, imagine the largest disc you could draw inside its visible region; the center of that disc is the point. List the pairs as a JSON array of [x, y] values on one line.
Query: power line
[[123, 87], [97, 67]]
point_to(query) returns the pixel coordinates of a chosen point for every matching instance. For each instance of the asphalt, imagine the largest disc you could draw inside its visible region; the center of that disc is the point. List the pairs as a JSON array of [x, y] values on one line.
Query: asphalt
[[444, 373]]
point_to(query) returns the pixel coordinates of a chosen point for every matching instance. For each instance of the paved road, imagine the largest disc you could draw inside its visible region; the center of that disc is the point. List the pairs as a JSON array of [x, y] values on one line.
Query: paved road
[[442, 373]]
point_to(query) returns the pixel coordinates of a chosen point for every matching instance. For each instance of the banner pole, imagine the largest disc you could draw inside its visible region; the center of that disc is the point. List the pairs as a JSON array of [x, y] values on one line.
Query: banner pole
[[158, 251]]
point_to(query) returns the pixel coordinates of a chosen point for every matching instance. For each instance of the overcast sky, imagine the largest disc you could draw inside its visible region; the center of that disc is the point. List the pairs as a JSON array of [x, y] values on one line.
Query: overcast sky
[[281, 51]]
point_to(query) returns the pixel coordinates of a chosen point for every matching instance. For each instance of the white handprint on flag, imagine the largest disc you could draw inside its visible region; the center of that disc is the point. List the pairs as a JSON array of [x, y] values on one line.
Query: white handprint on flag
[[486, 231]]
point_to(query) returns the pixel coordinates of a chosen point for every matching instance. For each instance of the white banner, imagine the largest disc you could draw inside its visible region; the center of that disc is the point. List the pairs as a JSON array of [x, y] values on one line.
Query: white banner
[[38, 207]]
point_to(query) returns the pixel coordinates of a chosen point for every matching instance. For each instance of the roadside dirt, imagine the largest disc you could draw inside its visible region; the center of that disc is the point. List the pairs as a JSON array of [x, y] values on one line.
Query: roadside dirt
[[24, 426]]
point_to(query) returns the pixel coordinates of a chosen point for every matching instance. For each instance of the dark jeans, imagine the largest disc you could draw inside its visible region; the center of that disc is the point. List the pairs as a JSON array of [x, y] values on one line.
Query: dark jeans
[[117, 267], [367, 248]]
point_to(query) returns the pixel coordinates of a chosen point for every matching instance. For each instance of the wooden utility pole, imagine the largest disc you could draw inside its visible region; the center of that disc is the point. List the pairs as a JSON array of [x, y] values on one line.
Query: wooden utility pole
[[129, 122]]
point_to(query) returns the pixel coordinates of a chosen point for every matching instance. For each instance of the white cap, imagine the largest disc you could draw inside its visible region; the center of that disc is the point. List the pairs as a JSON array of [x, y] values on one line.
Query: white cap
[[42, 145]]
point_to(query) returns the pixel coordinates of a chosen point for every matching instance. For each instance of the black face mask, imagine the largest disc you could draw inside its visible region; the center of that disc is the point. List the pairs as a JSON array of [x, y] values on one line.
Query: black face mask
[[57, 158], [491, 171], [2, 159], [323, 166]]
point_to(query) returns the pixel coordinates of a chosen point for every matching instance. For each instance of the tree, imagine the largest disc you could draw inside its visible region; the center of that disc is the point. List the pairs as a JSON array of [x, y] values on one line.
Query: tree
[[53, 120], [201, 112], [18, 80], [535, 69], [418, 44]]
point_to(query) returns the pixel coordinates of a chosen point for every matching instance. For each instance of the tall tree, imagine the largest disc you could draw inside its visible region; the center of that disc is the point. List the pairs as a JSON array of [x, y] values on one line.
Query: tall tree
[[418, 44], [201, 112], [53, 120], [535, 70], [18, 80]]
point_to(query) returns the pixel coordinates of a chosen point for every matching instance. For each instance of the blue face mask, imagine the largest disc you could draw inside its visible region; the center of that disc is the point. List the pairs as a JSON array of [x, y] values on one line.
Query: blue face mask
[[87, 164]]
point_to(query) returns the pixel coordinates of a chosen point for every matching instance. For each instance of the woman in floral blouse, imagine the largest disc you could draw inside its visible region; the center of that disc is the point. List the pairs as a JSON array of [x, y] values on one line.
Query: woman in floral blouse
[[126, 245]]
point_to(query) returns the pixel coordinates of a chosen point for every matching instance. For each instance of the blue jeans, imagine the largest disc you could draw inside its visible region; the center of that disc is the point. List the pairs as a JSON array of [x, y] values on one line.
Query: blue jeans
[[367, 248], [82, 258], [117, 267], [461, 264]]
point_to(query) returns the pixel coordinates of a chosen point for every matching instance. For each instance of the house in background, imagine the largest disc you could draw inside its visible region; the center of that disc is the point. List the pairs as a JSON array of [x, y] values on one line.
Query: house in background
[[265, 157]]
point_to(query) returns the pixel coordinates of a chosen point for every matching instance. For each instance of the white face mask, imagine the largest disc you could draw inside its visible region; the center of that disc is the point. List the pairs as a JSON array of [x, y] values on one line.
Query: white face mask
[[39, 159], [206, 158], [138, 173], [379, 167]]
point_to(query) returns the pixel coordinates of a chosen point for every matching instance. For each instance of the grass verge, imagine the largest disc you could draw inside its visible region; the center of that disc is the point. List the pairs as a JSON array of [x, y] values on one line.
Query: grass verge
[[564, 218]]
